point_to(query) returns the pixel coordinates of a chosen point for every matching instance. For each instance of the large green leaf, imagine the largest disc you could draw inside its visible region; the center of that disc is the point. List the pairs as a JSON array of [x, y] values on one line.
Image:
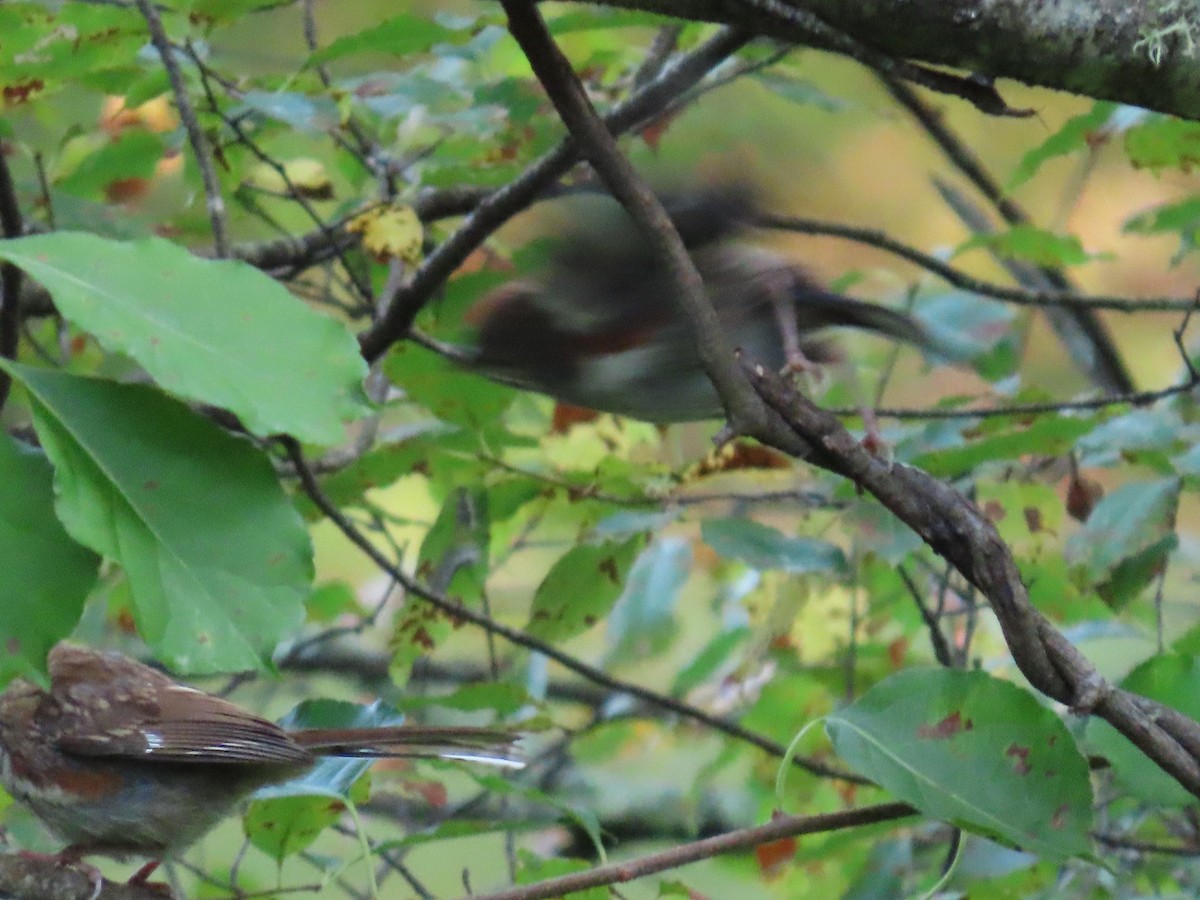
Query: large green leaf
[[1035, 245], [46, 574], [220, 332], [974, 751], [1164, 142], [218, 560], [1180, 217], [402, 35]]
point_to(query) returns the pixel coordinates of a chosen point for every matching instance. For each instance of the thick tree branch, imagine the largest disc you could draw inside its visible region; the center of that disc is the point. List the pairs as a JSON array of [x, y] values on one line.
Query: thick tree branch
[[1143, 54], [957, 530]]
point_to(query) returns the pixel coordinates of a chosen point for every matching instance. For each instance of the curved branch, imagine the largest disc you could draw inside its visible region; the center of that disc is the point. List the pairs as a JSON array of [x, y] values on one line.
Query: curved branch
[[957, 530]]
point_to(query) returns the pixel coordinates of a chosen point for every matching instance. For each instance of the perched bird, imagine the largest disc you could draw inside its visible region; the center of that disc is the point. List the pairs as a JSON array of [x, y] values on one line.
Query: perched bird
[[121, 760], [600, 328]]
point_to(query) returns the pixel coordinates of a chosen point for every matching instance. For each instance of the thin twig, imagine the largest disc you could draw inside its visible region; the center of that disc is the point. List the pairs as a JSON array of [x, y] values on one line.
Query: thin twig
[[187, 113], [11, 226], [941, 649], [1014, 295], [745, 839], [498, 207], [459, 613]]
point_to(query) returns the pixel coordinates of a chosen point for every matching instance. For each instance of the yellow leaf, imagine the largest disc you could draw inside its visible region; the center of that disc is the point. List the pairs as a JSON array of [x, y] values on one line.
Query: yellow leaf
[[303, 177], [390, 232]]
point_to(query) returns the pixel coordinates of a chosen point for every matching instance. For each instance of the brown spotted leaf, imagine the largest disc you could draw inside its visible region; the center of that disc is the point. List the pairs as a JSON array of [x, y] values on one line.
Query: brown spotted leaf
[[581, 588], [974, 751]]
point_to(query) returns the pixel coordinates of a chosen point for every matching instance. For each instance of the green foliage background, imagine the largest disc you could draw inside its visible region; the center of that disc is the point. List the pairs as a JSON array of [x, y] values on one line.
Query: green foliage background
[[770, 594]]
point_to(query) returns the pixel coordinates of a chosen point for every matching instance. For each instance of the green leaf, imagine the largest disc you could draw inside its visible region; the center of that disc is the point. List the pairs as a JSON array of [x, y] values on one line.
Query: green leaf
[[329, 601], [218, 560], [134, 155], [709, 660], [1164, 142], [447, 391], [879, 532], [403, 35], [411, 447], [1173, 680], [764, 548], [1023, 512], [597, 18], [47, 575], [499, 697], [1126, 538], [457, 545], [973, 751], [799, 90], [1125, 436], [642, 621], [1035, 245], [454, 559], [534, 868], [1075, 134], [580, 588], [967, 327], [1051, 434], [1181, 217], [219, 332], [302, 112]]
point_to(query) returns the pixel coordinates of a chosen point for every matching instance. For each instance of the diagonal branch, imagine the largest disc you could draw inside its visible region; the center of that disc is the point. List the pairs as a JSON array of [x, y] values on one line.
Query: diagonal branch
[[187, 113], [777, 829], [498, 207], [459, 613], [744, 408], [957, 530]]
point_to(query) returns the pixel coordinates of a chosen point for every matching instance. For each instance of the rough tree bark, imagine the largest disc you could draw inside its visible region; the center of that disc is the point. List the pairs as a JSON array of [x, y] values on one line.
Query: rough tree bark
[[1143, 53]]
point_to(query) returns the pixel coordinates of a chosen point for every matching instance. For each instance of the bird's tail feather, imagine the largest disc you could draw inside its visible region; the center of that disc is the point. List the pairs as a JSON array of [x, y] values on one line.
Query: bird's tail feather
[[493, 746]]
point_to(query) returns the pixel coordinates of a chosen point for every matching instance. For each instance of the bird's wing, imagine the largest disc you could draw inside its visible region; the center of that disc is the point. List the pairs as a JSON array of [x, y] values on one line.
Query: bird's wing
[[112, 706]]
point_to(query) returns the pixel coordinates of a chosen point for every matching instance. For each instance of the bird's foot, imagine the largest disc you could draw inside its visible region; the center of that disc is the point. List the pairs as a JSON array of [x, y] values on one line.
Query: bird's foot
[[873, 441]]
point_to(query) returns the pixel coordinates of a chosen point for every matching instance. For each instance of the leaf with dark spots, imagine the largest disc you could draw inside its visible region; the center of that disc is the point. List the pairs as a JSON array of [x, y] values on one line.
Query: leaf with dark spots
[[946, 728], [572, 598], [611, 570], [1021, 757], [966, 723]]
